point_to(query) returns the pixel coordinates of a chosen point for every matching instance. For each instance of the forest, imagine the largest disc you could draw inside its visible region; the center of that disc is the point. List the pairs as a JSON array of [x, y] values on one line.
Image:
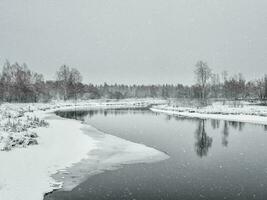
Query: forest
[[20, 84]]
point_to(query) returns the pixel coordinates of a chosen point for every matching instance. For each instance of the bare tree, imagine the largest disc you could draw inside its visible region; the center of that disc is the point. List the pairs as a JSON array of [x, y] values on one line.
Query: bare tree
[[63, 75], [203, 74], [74, 86], [265, 87], [70, 80], [215, 85], [224, 75]]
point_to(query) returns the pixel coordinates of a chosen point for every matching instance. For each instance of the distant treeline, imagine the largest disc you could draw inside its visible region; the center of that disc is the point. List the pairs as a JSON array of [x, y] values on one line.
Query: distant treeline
[[19, 84]]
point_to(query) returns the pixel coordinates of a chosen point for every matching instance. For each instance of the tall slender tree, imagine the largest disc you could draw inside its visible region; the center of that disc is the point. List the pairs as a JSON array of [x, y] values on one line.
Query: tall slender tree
[[203, 74]]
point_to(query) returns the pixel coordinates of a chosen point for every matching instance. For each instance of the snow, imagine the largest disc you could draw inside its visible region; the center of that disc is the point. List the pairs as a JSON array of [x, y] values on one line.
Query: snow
[[25, 173], [242, 113], [17, 121], [64, 147], [110, 153]]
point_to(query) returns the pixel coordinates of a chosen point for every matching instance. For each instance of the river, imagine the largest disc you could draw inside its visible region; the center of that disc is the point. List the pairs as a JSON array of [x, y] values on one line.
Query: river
[[209, 159]]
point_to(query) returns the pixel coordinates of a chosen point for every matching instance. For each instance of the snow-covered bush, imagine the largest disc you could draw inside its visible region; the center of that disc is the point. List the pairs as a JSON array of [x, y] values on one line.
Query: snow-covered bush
[[16, 124], [17, 139]]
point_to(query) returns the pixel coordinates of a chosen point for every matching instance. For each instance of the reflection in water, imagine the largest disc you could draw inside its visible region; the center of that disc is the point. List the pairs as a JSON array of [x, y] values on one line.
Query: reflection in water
[[168, 117], [203, 142], [225, 134], [215, 124], [237, 125], [235, 172], [81, 114], [181, 118]]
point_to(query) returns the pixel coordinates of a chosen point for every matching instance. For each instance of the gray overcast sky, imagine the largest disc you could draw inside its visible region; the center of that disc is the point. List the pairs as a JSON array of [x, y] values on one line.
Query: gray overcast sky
[[135, 41]]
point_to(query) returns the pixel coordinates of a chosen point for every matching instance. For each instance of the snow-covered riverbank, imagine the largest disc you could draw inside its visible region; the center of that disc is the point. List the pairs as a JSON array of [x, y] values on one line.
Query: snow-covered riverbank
[[18, 121], [26, 173], [242, 113]]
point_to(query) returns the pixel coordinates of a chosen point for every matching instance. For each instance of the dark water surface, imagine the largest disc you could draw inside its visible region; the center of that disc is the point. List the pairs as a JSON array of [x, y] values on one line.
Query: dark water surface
[[209, 159]]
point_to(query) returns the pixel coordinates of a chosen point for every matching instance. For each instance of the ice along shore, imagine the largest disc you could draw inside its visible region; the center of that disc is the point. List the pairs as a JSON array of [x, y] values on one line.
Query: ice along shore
[[29, 173]]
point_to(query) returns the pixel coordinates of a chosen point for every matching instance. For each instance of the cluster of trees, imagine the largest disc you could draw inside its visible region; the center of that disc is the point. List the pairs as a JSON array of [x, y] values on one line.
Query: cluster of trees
[[69, 82], [19, 84], [212, 85]]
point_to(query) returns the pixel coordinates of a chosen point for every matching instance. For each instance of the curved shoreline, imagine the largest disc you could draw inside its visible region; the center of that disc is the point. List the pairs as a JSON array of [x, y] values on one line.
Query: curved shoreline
[[38, 165], [254, 119], [111, 153], [34, 165]]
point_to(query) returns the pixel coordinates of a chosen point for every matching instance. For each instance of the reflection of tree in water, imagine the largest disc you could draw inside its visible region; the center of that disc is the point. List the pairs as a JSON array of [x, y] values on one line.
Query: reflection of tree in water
[[81, 114], [237, 125], [179, 118], [215, 123], [241, 126], [72, 114], [182, 118], [168, 117], [203, 142], [225, 134]]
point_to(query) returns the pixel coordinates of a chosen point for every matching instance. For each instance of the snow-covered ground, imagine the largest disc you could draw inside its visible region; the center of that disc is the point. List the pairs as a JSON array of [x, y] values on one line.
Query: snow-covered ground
[[242, 112], [17, 121], [64, 147]]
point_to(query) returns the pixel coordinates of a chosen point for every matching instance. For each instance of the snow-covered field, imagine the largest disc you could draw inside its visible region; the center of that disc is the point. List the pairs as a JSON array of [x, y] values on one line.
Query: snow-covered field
[[242, 112], [61, 146]]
